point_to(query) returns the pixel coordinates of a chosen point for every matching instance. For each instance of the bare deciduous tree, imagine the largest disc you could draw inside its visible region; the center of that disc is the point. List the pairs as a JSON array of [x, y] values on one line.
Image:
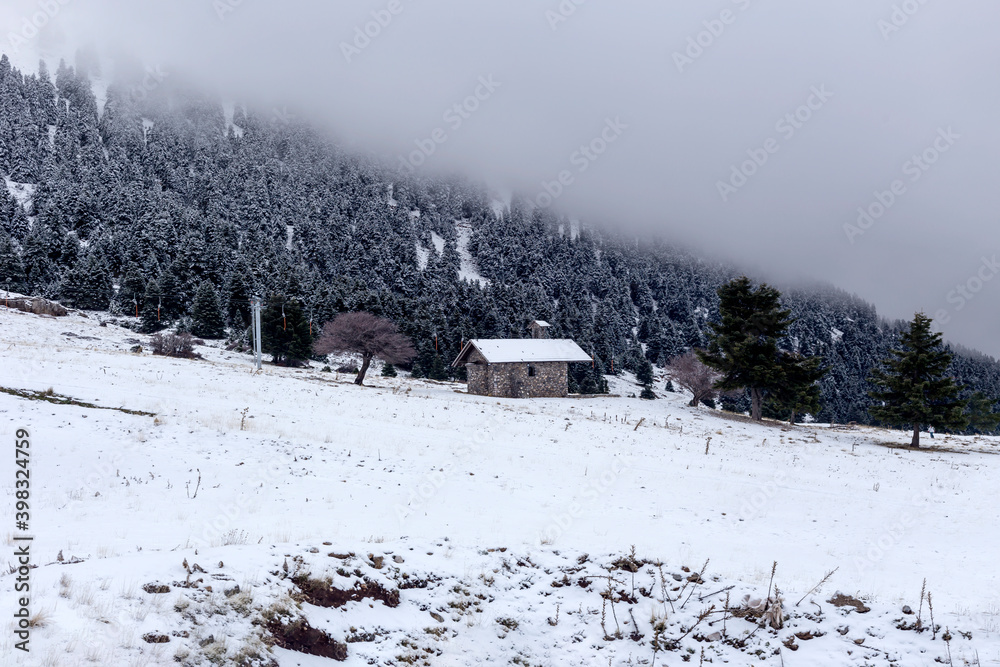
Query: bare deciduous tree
[[688, 371], [365, 334]]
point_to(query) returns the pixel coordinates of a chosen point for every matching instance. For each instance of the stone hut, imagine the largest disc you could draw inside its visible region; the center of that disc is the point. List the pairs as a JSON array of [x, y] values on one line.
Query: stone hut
[[536, 367], [539, 329]]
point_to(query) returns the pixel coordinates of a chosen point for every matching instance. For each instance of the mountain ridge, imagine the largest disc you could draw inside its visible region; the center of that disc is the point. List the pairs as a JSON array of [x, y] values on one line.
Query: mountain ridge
[[145, 198]]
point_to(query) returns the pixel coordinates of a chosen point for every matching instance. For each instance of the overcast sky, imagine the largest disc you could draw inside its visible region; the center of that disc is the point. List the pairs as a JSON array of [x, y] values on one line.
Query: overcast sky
[[755, 129]]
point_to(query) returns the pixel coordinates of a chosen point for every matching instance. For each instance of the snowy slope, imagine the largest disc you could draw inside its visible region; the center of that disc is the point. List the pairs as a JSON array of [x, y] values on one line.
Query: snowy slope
[[467, 269], [243, 473]]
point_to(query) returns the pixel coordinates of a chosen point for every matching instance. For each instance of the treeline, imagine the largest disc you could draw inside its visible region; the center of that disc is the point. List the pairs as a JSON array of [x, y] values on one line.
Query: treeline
[[142, 202]]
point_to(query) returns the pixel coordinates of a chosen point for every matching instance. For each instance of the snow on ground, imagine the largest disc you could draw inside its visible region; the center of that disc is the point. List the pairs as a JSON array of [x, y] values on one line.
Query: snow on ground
[[438, 243], [467, 269], [488, 514], [498, 207], [423, 255], [23, 193]]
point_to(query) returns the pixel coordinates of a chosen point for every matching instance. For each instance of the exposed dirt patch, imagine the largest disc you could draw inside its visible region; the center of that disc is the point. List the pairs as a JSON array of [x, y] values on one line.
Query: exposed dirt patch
[[926, 447], [322, 594], [51, 397], [156, 588], [746, 419], [841, 600], [36, 306], [301, 637]]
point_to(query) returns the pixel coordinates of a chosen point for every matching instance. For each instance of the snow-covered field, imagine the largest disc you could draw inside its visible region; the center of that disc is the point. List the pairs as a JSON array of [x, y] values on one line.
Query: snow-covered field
[[497, 523]]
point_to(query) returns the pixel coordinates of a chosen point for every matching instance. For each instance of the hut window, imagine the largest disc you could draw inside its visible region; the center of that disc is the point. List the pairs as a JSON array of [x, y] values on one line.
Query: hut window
[[531, 371]]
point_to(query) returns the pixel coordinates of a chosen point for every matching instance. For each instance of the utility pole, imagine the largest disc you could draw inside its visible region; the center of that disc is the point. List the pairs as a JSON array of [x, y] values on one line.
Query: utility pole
[[255, 305]]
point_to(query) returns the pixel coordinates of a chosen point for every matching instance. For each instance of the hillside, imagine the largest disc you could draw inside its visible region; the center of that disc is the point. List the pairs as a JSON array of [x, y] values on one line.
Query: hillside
[[133, 198], [492, 520]]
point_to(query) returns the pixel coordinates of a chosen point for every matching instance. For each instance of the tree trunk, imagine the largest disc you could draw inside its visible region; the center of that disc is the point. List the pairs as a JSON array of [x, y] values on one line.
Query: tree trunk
[[916, 436], [791, 420], [693, 403], [757, 400], [365, 363]]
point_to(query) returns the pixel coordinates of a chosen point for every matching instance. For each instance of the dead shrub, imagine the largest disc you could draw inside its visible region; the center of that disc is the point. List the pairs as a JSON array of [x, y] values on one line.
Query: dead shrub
[[322, 593], [174, 345], [301, 637]]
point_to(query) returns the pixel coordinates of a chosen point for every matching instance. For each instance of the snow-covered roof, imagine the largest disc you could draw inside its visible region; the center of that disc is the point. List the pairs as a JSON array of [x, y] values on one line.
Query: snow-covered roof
[[516, 350], [541, 323]]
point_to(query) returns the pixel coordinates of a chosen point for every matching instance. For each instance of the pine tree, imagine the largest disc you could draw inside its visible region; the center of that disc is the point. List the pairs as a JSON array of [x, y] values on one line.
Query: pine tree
[[11, 266], [206, 313], [173, 302], [40, 248], [644, 373], [799, 392], [647, 393], [150, 310], [439, 369], [913, 389], [744, 345], [238, 292], [88, 284], [982, 417], [284, 332], [388, 371], [594, 381], [131, 291]]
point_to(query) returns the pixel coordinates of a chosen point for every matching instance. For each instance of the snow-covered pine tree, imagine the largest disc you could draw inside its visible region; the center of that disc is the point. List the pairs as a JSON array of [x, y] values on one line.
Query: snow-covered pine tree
[[206, 313], [11, 266], [913, 389]]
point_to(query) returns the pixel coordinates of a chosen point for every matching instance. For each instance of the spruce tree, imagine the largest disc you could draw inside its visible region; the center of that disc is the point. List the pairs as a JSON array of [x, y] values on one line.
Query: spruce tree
[[88, 284], [206, 313], [150, 312], [982, 418], [744, 345], [284, 332], [913, 389], [438, 369], [594, 381], [11, 266], [644, 373], [799, 392], [388, 370], [238, 292], [131, 291]]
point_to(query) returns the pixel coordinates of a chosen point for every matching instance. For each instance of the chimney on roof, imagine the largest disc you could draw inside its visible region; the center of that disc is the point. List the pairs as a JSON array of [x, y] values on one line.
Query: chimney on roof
[[539, 329]]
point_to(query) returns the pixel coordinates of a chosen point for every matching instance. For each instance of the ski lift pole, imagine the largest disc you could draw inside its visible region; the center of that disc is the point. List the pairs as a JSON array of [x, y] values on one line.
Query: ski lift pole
[[255, 307]]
